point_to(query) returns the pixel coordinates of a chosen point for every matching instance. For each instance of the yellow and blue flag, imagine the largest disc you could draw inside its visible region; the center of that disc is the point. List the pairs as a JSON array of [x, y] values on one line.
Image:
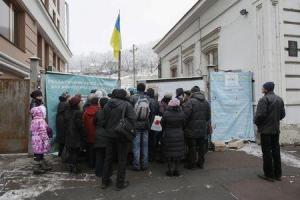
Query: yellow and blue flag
[[115, 41]]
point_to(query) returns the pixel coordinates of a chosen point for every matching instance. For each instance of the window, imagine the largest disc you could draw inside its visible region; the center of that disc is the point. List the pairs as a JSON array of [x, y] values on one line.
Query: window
[[58, 64], [189, 68], [4, 19], [54, 59], [46, 56], [40, 49], [12, 23], [54, 1], [212, 57], [174, 72]]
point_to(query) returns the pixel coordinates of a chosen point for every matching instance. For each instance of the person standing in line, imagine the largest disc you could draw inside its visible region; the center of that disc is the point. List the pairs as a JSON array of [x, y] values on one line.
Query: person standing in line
[[173, 122], [270, 110], [140, 142], [109, 119], [88, 120], [60, 124], [198, 115], [40, 140], [163, 104], [100, 139], [187, 96], [180, 95], [154, 107], [75, 134]]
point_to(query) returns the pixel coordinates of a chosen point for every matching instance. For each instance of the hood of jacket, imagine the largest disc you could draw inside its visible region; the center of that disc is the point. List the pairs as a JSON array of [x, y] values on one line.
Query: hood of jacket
[[91, 110], [115, 102], [199, 96]]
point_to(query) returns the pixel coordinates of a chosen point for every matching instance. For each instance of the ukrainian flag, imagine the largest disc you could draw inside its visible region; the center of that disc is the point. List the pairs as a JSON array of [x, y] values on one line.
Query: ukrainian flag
[[115, 41]]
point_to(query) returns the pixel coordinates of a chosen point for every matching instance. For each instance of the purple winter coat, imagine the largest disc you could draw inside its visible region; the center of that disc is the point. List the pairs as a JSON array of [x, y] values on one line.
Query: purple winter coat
[[39, 137]]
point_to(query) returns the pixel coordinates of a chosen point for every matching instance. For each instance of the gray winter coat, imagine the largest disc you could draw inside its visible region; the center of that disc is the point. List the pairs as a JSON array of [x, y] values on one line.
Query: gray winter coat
[[270, 110], [141, 125], [197, 113]]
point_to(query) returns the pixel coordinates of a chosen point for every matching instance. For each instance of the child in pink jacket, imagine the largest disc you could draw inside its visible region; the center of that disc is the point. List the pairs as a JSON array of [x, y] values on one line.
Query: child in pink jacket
[[39, 140]]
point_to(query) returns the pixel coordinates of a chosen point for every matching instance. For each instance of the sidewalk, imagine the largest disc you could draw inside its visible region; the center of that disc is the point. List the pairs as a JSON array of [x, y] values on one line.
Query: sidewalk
[[227, 175]]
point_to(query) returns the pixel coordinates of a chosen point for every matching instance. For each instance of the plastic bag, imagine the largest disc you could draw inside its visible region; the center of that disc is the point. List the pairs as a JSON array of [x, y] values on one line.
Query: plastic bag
[[156, 126]]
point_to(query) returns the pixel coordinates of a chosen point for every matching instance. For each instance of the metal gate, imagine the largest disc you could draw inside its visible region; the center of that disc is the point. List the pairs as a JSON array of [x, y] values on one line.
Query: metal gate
[[14, 116]]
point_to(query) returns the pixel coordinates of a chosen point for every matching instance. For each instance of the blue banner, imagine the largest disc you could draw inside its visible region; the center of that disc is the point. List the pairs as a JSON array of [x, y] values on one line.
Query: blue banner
[[231, 104], [56, 84]]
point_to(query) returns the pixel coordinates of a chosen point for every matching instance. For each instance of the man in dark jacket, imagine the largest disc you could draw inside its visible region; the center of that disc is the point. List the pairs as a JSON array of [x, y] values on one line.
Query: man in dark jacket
[[270, 110], [197, 112], [109, 118], [140, 142], [154, 107]]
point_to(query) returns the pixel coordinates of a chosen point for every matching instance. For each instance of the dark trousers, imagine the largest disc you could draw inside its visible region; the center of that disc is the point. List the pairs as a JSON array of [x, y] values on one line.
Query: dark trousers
[[271, 155], [196, 149], [121, 147], [91, 155], [60, 148], [173, 164], [152, 145], [155, 152], [100, 156], [73, 155]]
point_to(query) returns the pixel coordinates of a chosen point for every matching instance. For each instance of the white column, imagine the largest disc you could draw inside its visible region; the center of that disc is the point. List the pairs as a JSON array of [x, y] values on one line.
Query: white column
[[271, 63]]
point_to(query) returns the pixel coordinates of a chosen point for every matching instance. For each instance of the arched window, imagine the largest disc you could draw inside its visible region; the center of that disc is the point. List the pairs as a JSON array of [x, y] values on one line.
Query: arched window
[[189, 66]]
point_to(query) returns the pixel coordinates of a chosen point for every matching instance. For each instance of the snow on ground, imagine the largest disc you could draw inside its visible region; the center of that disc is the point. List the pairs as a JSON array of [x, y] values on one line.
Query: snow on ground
[[30, 186], [17, 181], [286, 158]]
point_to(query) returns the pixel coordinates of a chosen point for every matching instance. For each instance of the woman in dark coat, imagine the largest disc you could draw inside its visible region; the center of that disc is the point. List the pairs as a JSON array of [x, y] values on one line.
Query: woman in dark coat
[[60, 124], [100, 140], [173, 122], [75, 134]]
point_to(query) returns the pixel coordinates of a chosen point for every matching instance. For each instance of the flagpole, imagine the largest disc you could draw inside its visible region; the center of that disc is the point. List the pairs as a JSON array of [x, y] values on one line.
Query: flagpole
[[119, 70]]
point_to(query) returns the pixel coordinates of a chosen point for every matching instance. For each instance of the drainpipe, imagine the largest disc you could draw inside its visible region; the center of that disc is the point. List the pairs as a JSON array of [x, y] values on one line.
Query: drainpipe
[[67, 22]]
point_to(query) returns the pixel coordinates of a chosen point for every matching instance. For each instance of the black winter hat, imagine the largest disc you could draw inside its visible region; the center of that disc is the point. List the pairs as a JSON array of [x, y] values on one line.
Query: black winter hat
[[36, 93], [269, 86], [119, 93], [195, 89], [179, 91], [103, 101], [150, 92]]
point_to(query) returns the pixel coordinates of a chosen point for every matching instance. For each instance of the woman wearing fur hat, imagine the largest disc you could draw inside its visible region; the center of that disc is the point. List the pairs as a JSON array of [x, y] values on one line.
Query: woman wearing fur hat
[[173, 122]]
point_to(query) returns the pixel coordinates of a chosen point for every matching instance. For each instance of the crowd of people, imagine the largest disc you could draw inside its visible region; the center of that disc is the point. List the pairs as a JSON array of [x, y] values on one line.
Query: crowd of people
[[120, 128], [135, 129]]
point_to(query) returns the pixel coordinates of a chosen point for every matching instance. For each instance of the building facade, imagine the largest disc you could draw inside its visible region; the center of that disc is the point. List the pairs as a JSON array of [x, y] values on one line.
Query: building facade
[[35, 28], [261, 36]]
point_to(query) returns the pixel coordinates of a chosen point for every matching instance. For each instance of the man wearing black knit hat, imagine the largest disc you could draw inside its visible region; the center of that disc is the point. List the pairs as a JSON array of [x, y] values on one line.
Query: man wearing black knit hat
[[270, 110]]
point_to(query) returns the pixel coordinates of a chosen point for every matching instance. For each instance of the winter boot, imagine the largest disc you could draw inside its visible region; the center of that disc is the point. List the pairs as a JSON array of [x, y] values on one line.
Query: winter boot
[[45, 165], [37, 168]]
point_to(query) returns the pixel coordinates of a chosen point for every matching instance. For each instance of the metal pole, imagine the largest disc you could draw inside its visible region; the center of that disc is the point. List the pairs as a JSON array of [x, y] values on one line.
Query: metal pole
[[133, 63], [119, 70]]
